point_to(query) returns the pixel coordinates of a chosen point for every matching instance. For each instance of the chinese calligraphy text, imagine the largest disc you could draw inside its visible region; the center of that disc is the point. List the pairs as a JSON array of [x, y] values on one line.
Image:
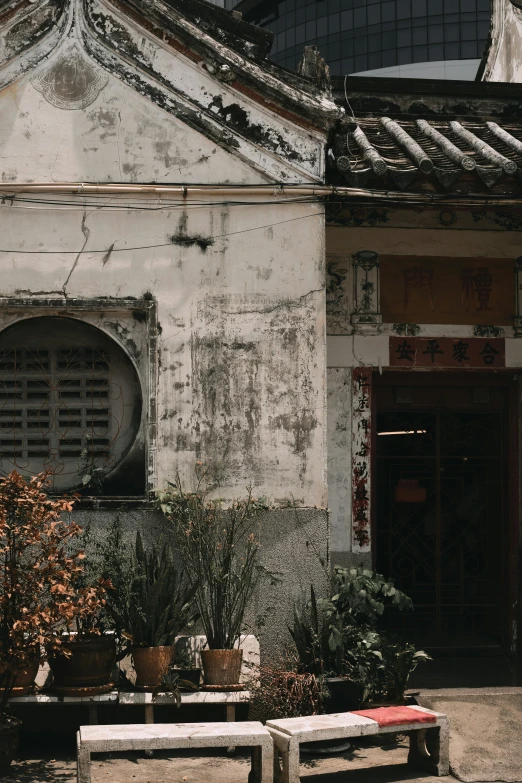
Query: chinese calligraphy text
[[447, 352], [361, 453]]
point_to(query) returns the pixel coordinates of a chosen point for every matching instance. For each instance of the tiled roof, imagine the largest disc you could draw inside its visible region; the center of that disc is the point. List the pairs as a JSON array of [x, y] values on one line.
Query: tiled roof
[[423, 155]]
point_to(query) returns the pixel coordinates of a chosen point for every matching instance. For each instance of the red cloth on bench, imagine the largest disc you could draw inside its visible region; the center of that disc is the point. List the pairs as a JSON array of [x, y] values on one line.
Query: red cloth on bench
[[395, 716]]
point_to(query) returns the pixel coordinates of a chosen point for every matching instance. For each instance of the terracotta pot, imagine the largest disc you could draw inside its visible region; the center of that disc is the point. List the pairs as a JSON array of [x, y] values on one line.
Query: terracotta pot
[[151, 664], [25, 677], [221, 667], [89, 665], [8, 746]]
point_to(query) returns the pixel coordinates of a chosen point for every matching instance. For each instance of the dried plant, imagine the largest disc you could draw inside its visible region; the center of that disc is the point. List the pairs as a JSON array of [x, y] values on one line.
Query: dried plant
[[282, 692], [39, 576]]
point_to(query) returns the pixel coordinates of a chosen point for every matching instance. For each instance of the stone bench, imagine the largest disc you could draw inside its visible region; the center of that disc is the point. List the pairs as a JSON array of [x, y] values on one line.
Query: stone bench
[[428, 731], [175, 736]]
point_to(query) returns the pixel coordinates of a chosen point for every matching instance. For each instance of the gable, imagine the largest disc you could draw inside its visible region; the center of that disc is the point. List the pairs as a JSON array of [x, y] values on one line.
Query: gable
[[93, 55], [119, 136]]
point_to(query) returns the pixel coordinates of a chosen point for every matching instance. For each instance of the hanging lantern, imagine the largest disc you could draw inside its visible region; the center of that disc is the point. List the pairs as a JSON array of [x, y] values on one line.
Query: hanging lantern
[[409, 491]]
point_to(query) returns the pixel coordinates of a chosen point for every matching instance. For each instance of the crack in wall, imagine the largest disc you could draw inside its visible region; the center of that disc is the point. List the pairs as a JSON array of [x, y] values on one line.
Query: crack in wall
[[86, 233], [288, 303]]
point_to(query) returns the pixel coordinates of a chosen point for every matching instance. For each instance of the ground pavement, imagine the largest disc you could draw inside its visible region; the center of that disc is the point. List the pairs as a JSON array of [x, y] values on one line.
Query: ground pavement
[[362, 765]]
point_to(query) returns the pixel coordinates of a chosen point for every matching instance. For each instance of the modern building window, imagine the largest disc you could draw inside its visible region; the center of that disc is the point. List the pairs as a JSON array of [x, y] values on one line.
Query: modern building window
[[408, 28], [70, 402]]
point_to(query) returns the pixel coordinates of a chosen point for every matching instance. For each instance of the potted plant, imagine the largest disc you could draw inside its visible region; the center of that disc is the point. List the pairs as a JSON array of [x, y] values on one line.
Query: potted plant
[[281, 691], [185, 668], [380, 661], [82, 664], [37, 588], [338, 638], [220, 547], [320, 652], [152, 602]]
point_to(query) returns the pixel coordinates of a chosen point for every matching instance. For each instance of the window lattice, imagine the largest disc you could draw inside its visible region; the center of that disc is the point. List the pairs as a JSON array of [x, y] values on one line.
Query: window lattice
[[54, 403], [68, 400]]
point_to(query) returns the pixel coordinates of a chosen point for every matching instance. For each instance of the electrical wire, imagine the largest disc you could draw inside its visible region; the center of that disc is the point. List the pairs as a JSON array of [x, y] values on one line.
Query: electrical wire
[[179, 241], [58, 206]]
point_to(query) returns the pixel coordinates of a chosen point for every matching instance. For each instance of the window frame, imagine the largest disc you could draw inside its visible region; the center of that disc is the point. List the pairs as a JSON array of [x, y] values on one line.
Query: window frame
[[14, 311]]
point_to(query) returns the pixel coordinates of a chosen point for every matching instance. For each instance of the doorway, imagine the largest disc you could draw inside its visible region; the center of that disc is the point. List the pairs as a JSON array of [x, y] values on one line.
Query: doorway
[[442, 500]]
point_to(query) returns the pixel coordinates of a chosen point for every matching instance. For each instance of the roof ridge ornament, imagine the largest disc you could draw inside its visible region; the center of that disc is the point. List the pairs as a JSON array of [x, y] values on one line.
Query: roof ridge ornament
[[379, 166], [448, 148], [484, 149], [414, 150]]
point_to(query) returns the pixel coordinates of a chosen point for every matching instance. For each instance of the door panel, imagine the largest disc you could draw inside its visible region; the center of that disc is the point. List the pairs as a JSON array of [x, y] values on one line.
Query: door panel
[[448, 551]]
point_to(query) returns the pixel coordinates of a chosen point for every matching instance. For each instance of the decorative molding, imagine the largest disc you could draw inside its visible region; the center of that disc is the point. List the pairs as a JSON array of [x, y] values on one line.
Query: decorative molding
[[447, 217], [406, 330], [70, 82], [366, 288], [487, 330]]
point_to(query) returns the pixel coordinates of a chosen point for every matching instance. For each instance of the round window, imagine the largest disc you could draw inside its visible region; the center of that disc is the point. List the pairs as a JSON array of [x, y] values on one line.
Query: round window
[[70, 401]]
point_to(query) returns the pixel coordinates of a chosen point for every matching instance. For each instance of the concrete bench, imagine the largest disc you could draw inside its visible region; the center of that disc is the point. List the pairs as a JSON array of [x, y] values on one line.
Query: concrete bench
[[175, 736], [428, 731]]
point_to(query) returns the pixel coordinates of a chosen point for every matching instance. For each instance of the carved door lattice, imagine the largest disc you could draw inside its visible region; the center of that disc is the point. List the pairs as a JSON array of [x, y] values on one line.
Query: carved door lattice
[[446, 552]]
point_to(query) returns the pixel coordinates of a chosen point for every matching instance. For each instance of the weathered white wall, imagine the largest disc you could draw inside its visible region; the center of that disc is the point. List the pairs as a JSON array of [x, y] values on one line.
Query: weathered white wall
[[242, 344], [339, 459], [121, 137], [504, 60]]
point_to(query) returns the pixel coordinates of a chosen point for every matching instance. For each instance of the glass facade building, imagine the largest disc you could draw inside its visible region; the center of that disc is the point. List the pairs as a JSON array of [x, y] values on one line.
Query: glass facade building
[[356, 36]]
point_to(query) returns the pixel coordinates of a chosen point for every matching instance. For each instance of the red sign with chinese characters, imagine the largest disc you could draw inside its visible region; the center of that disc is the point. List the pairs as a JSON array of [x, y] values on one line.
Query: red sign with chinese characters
[[447, 352]]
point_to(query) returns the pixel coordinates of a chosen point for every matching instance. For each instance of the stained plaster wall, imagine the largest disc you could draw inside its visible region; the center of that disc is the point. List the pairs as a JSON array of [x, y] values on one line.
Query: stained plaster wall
[[241, 344], [503, 61], [120, 137], [478, 234]]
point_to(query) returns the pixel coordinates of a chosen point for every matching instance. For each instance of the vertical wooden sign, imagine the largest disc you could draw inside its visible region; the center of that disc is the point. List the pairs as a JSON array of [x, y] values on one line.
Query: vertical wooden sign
[[361, 458]]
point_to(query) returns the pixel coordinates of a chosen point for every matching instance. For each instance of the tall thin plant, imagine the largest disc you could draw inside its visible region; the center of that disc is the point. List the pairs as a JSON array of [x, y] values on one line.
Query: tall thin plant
[[153, 600], [220, 546]]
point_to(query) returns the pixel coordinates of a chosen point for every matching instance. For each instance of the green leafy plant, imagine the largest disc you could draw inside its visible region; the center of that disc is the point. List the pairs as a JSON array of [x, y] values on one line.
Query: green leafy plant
[[340, 635], [172, 683], [153, 600], [220, 546], [311, 638]]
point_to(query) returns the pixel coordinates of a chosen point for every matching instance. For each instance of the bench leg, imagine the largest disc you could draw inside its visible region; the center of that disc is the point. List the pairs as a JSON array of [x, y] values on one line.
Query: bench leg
[[93, 714], [231, 717], [290, 759], [83, 762], [429, 749], [149, 718], [278, 773], [262, 764]]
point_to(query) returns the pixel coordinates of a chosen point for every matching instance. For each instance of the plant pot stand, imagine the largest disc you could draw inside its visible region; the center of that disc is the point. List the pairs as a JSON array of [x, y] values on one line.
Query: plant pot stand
[[222, 688], [93, 690]]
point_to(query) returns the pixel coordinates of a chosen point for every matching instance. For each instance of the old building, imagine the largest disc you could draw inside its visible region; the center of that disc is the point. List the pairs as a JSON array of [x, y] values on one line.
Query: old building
[[424, 350], [165, 301], [178, 314]]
